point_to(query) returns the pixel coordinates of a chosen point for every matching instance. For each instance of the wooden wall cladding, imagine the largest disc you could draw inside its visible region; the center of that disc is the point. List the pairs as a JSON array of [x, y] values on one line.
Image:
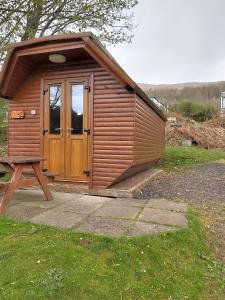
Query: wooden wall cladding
[[113, 119], [126, 131], [24, 135], [113, 129], [149, 141]]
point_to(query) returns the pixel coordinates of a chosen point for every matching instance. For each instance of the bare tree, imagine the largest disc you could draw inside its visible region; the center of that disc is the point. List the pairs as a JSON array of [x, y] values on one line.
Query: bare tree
[[111, 20]]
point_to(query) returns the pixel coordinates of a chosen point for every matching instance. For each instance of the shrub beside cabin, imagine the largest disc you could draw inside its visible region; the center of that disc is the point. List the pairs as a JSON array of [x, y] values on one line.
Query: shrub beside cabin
[[70, 102]]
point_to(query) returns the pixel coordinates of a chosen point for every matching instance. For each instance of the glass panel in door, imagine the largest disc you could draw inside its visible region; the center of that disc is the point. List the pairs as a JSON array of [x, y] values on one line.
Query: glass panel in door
[[77, 108], [55, 103]]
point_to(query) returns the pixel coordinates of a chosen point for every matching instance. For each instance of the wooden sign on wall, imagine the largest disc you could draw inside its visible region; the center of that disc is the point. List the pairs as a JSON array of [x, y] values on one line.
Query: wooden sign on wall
[[17, 114]]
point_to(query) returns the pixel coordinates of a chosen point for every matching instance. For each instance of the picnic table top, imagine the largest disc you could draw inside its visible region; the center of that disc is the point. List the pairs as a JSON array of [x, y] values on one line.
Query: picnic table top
[[20, 159]]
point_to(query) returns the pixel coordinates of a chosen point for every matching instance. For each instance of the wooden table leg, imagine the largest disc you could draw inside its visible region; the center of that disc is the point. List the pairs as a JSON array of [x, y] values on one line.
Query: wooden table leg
[[42, 180], [8, 167], [11, 188]]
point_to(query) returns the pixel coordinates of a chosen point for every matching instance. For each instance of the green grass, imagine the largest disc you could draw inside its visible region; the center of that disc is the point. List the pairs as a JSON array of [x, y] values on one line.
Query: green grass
[[38, 262], [179, 157], [6, 178]]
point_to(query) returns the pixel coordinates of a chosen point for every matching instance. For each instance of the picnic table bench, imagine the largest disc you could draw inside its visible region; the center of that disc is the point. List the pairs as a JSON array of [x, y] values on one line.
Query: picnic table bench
[[25, 172]]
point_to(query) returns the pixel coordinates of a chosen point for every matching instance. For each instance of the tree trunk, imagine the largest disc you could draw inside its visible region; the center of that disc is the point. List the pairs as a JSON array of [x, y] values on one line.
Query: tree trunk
[[33, 20]]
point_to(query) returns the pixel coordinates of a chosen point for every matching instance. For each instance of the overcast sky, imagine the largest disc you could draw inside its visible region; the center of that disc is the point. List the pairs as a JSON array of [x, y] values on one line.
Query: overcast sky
[[176, 41]]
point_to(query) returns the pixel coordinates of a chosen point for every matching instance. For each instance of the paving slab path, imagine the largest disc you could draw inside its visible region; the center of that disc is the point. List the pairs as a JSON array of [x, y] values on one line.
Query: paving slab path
[[99, 215]]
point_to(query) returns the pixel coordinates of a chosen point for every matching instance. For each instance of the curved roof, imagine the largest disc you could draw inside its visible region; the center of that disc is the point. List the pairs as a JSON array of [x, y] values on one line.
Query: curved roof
[[12, 74]]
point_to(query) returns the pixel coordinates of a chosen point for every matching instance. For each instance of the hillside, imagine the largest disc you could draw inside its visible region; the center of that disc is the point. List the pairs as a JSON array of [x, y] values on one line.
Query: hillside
[[170, 94]]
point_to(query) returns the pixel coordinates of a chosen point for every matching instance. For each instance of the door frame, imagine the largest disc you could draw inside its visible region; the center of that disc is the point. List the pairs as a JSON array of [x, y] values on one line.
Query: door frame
[[61, 82], [90, 77]]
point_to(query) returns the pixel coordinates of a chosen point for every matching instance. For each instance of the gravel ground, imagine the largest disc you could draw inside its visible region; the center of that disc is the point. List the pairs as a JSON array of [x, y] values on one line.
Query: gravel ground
[[204, 188]]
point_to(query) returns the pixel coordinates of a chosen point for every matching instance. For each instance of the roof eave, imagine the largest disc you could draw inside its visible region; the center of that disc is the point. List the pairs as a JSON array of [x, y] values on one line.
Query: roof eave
[[95, 45], [128, 80]]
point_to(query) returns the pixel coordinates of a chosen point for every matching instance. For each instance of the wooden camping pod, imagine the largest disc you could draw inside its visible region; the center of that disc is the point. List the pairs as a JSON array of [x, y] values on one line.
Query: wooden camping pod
[[122, 132]]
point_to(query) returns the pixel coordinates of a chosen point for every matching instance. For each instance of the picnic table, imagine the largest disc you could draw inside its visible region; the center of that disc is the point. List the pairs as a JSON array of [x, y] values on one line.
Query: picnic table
[[25, 172]]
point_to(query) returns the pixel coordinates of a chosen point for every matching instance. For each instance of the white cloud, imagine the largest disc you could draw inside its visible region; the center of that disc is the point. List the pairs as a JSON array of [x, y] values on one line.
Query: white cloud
[[176, 41]]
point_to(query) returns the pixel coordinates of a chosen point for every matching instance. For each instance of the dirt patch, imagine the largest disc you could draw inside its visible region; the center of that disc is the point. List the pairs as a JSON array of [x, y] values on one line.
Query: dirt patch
[[204, 188], [208, 135]]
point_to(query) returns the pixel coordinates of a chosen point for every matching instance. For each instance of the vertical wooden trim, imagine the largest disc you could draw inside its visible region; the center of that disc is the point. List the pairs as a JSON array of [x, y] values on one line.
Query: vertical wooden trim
[[66, 108], [42, 119], [135, 127], [8, 121], [91, 126]]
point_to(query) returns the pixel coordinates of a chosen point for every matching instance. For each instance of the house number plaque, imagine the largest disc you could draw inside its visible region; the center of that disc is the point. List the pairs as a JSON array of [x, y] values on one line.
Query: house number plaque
[[17, 114]]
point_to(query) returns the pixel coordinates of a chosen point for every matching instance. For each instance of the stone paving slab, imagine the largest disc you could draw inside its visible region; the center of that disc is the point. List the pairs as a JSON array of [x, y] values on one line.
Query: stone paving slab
[[105, 226], [58, 218], [142, 228], [23, 213], [169, 205], [28, 195], [117, 211], [99, 215], [81, 207], [164, 217], [38, 204], [128, 202]]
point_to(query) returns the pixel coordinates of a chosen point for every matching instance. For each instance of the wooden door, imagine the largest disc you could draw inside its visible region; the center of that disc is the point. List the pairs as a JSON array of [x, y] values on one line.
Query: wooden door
[[54, 131], [66, 128], [76, 147]]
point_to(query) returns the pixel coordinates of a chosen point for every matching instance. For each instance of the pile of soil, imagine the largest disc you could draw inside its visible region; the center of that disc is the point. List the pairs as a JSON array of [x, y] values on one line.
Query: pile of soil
[[218, 122], [208, 135]]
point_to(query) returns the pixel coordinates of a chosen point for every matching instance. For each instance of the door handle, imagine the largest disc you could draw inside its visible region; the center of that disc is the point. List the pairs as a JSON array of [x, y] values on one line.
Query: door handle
[[45, 130], [59, 129], [87, 130], [69, 131]]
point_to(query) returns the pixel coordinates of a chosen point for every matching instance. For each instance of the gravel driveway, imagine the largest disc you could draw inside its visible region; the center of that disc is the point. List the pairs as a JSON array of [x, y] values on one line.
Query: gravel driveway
[[204, 188], [202, 183]]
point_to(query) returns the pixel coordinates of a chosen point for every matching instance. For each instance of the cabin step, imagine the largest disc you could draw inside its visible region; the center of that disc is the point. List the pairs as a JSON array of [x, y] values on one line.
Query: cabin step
[[50, 175]]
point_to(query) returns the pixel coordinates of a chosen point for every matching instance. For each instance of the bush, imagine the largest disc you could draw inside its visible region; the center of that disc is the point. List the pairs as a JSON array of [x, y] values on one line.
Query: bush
[[197, 111]]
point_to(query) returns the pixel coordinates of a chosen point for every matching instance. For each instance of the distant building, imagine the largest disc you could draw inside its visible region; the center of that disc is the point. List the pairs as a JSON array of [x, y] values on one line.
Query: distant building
[[222, 102]]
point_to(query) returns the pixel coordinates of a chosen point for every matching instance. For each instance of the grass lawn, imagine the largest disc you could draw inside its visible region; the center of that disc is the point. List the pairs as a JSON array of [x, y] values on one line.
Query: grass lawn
[[39, 262], [179, 157]]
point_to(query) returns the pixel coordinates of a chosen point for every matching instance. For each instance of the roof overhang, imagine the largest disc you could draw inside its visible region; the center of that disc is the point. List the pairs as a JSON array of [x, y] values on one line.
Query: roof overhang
[[60, 43]]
